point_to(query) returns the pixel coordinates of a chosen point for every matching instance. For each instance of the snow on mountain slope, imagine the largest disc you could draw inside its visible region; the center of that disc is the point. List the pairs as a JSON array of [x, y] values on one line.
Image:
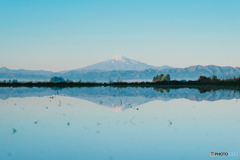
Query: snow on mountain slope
[[120, 62]]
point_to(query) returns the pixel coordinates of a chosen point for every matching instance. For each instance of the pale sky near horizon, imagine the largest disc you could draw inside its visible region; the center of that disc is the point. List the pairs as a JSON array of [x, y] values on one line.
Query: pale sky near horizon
[[62, 35]]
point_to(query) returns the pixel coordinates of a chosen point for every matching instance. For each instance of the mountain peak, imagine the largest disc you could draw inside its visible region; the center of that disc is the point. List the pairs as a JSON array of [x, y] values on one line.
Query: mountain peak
[[119, 62], [118, 58]]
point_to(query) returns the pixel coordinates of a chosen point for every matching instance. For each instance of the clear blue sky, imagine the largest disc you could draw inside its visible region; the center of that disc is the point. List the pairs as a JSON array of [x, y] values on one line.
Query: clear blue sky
[[61, 35]]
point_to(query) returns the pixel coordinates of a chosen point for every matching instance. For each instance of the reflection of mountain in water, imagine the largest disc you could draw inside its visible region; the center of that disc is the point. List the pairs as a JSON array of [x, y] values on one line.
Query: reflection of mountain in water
[[120, 99]]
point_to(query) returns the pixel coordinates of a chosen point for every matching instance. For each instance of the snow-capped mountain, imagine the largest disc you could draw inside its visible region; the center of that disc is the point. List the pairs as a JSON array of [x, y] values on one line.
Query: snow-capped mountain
[[120, 62], [120, 66]]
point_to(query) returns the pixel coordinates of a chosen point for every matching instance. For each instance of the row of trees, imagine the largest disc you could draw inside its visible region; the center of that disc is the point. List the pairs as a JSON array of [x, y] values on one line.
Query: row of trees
[[158, 78], [161, 78], [215, 79], [10, 81], [59, 79]]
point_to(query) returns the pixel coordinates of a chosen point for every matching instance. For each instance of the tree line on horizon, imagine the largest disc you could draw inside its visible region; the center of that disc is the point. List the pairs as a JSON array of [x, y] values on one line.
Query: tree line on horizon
[[158, 78]]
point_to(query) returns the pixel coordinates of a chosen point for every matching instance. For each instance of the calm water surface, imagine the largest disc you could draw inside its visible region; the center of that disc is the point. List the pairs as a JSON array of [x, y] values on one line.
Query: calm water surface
[[117, 124]]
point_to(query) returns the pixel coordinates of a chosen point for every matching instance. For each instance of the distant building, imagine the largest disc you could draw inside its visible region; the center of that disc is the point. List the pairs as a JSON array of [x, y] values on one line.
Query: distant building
[[57, 79], [161, 78]]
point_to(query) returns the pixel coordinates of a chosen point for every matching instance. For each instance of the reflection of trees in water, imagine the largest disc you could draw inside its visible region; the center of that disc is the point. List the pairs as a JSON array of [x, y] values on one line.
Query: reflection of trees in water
[[122, 98], [222, 90], [202, 89], [158, 89]]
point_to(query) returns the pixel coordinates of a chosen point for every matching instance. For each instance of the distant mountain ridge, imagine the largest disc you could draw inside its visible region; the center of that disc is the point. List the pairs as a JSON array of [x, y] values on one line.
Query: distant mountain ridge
[[193, 72], [126, 69], [23, 71], [189, 73]]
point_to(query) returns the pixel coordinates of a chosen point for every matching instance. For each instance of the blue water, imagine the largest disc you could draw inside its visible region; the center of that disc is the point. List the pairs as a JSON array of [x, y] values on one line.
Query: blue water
[[117, 124]]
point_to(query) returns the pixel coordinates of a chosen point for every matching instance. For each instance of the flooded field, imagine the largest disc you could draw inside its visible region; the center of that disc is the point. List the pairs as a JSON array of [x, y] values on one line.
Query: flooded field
[[105, 123]]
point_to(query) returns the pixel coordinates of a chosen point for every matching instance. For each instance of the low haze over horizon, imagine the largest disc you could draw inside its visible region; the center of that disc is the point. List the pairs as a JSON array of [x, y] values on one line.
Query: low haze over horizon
[[62, 35]]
